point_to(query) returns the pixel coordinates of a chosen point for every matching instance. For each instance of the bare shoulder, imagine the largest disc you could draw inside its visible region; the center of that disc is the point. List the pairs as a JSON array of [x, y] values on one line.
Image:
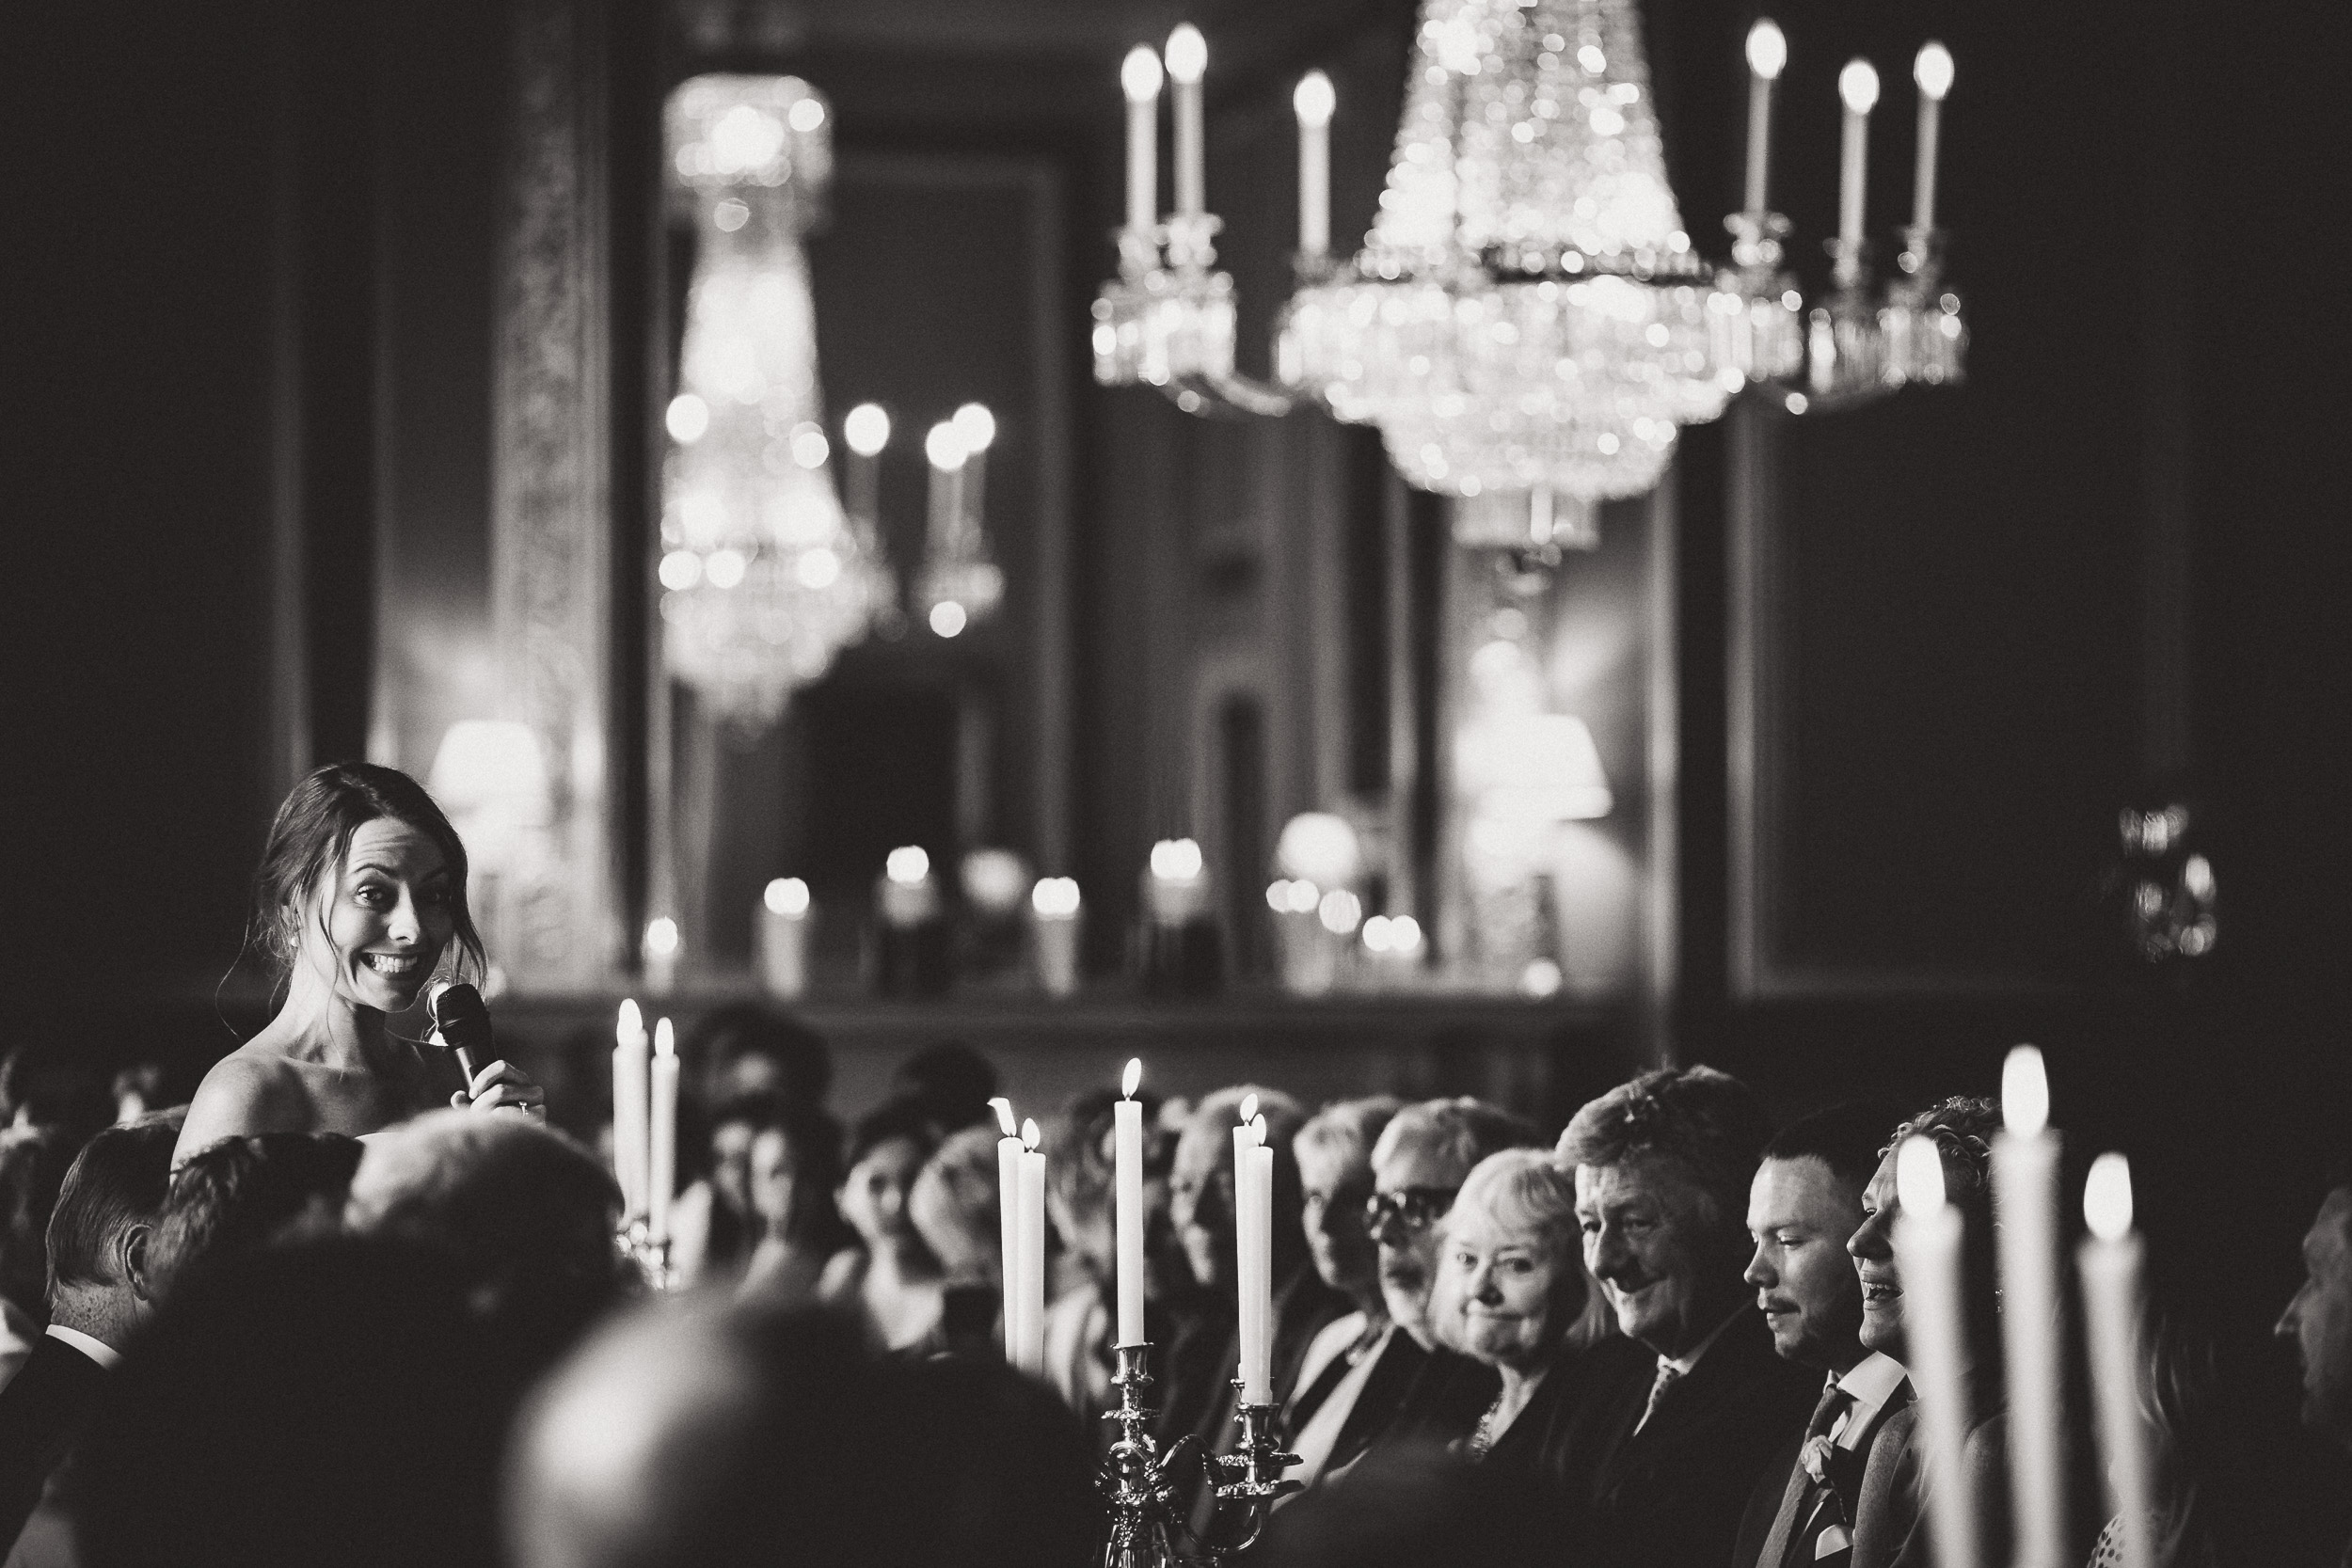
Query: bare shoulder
[[246, 1091]]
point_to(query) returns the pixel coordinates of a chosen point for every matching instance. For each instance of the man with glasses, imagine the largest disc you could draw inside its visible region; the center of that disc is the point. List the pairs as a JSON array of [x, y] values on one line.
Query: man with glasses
[[1419, 1389]]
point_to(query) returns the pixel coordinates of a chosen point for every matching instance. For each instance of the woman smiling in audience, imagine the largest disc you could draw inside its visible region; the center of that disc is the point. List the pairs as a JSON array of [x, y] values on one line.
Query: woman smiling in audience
[[360, 900]]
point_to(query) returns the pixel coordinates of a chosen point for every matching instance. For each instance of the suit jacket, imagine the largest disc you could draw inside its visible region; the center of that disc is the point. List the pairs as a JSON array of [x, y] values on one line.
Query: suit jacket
[[1672, 1494], [1762, 1542], [40, 1411], [1383, 1396], [1303, 1307], [1891, 1528]]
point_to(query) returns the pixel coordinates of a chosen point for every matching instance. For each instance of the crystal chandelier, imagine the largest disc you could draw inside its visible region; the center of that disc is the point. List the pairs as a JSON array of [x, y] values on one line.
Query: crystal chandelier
[[1528, 324], [764, 578]]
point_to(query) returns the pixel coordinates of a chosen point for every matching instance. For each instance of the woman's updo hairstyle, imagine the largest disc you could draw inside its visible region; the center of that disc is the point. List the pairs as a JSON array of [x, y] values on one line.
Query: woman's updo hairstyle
[[311, 835]]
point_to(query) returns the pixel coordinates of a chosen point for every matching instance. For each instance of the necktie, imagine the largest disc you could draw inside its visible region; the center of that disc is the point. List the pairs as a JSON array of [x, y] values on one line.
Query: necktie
[[1818, 1511], [1668, 1375]]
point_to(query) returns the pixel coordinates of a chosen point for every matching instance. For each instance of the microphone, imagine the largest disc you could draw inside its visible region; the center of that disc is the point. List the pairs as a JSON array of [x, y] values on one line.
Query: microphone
[[461, 1023]]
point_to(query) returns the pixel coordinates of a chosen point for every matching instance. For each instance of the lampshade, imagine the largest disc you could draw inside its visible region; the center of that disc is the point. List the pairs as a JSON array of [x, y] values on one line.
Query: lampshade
[[487, 766], [1532, 767]]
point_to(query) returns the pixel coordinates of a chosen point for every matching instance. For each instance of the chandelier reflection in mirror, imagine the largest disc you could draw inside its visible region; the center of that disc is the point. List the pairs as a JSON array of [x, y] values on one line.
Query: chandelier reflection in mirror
[[763, 576], [1527, 323]]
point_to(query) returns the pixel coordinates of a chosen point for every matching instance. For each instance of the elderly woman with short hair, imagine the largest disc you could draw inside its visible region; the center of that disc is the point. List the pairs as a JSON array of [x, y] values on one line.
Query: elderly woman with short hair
[[1512, 1291]]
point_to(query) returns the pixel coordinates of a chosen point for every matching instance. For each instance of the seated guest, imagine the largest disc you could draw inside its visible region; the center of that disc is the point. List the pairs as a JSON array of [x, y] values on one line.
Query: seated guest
[[1671, 1451], [794, 1160], [2318, 1319], [1416, 1506], [712, 1228], [529, 1215], [99, 1291], [736, 1439], [1424, 1392], [952, 1084], [242, 1192], [327, 1401], [1511, 1293], [748, 1047], [1335, 1180], [1890, 1524], [954, 1207], [1803, 1205], [889, 1281], [33, 1162]]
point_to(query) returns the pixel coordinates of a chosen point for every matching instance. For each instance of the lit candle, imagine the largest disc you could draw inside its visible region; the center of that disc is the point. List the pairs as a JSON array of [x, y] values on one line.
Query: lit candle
[[1248, 1289], [1139, 79], [1127, 1182], [1009, 1220], [976, 427], [1928, 1238], [864, 431], [1187, 55], [2111, 1265], [1054, 909], [1313, 102], [1032, 1356], [661, 1132], [662, 950], [1257, 1381], [783, 937], [1932, 71], [910, 895], [2024, 1194], [1768, 52], [629, 1078], [1858, 85], [945, 450], [1174, 890]]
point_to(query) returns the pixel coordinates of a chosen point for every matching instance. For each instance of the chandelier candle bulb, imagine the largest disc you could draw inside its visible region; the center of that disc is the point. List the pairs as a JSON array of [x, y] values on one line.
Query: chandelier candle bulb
[[1174, 890], [1313, 102], [976, 427], [784, 919], [631, 1068], [910, 893], [1932, 72], [1858, 85], [1032, 1272], [1127, 1186], [661, 949], [1188, 56], [1139, 79], [2024, 1193], [662, 1133], [2110, 1264], [865, 431], [1054, 908], [1768, 53], [1009, 1220], [1928, 1237]]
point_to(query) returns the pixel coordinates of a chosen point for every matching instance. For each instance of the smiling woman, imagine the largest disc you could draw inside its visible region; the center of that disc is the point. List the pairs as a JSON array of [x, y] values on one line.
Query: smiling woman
[[361, 899]]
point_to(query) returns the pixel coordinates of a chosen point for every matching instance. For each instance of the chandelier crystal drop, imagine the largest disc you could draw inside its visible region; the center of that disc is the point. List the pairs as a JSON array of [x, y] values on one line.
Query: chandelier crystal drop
[[764, 576]]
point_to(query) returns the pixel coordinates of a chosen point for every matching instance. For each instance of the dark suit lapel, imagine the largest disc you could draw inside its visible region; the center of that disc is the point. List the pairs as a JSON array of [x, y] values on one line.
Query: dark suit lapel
[[1383, 1392]]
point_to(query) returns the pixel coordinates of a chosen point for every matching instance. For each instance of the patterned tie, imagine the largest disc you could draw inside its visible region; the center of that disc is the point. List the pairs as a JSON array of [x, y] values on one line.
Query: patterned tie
[[1668, 1375]]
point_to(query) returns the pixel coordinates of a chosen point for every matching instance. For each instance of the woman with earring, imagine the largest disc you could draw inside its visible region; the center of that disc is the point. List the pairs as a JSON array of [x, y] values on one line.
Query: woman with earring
[[359, 901]]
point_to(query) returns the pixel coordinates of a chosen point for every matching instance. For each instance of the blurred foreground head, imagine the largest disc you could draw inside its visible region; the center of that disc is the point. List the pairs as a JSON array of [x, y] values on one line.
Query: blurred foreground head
[[699, 1437], [1412, 1506]]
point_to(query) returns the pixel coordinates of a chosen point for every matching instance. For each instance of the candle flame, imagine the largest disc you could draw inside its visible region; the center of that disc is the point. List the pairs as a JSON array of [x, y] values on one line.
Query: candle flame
[[906, 864], [1139, 74], [945, 447], [1932, 70], [1176, 859], [975, 425], [866, 429], [1858, 85], [1004, 1113], [1314, 100], [2024, 1093], [2108, 1197], [1248, 1109], [1256, 1127], [1919, 1176], [1768, 49], [1131, 1079], [787, 896], [664, 1038], [633, 1022], [1187, 53], [1029, 1134]]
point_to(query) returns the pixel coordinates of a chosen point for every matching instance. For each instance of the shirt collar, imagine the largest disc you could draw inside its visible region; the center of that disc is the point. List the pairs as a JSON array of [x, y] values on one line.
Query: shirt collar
[[1682, 1364], [89, 1345], [1874, 1379]]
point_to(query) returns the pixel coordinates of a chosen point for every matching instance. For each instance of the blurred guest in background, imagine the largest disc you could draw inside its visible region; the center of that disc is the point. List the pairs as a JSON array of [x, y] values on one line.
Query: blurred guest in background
[[242, 1192], [954, 1207], [1079, 1155], [792, 1164], [359, 901], [889, 1279], [33, 1162], [747, 1048], [1890, 1523], [100, 1290], [951, 1084], [2318, 1320], [712, 1227], [1335, 1183], [1803, 1207], [528, 1214], [43, 1084], [1513, 1294], [1671, 1452]]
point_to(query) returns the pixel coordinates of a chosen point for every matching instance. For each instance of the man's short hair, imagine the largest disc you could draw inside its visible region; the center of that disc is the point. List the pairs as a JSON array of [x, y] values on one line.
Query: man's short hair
[[241, 1192], [1708, 1122], [1848, 1138], [1348, 1129], [120, 1179], [1463, 1130]]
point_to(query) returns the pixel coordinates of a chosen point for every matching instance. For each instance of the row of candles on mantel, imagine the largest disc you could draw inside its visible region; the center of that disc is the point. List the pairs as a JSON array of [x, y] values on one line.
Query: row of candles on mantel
[[1314, 100]]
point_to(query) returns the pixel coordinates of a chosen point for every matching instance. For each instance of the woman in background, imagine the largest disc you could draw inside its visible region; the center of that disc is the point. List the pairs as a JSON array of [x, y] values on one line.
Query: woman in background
[[791, 1165], [890, 1279], [360, 900]]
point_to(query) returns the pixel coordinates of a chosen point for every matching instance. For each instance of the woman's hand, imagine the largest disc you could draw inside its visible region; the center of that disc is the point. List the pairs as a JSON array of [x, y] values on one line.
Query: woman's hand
[[502, 1086]]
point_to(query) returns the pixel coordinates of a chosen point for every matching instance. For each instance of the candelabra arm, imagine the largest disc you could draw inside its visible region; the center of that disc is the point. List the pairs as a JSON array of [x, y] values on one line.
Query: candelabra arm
[[1231, 395], [1255, 1466]]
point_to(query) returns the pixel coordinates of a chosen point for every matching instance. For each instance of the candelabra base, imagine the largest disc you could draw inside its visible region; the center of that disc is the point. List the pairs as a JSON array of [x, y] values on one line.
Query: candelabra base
[[1146, 1528]]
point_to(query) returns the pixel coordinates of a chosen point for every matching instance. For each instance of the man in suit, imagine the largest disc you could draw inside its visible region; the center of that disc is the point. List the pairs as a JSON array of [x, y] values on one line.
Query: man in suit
[[99, 1292], [1670, 1443], [1805, 1205], [2318, 1321]]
